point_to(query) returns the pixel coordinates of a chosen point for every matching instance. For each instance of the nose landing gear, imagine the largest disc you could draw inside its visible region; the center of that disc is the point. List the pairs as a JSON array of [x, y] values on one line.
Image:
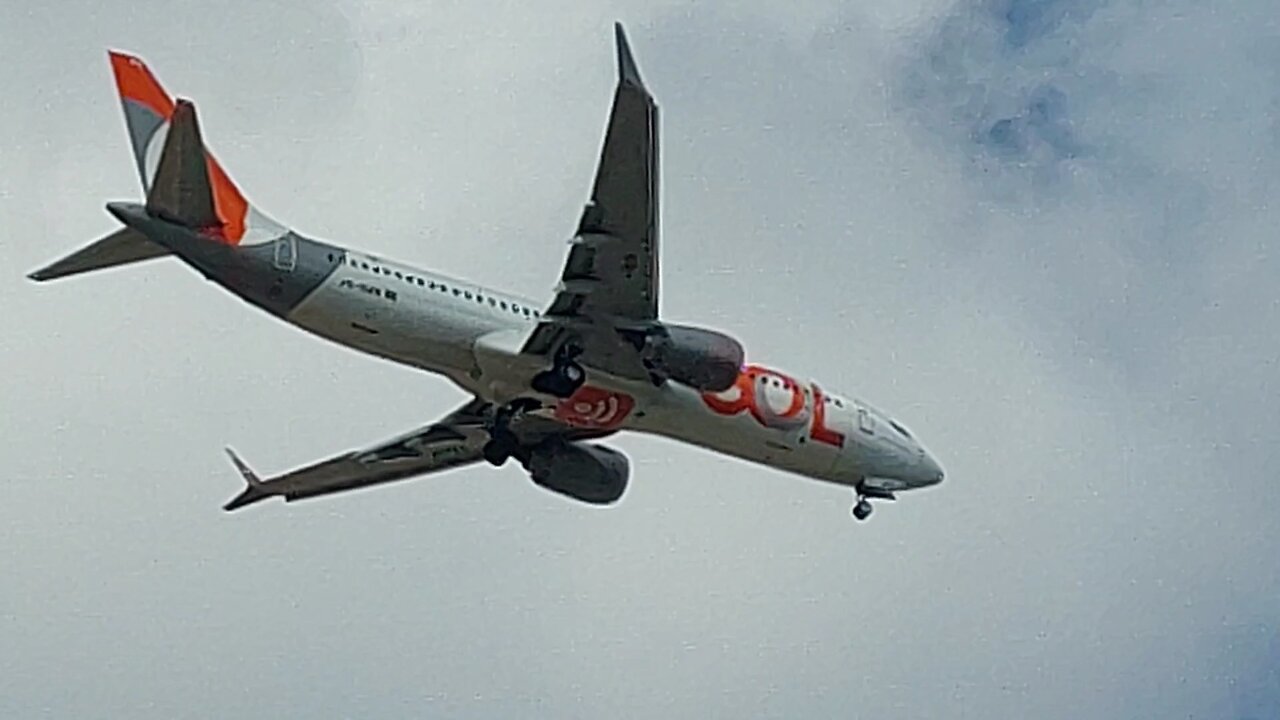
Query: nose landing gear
[[862, 509]]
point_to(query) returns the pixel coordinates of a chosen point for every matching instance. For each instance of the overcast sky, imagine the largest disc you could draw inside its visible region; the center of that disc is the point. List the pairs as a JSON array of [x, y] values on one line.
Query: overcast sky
[[1038, 232]]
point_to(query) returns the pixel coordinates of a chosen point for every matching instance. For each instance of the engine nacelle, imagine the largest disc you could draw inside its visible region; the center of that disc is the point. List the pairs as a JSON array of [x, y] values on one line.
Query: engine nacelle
[[705, 360], [590, 473]]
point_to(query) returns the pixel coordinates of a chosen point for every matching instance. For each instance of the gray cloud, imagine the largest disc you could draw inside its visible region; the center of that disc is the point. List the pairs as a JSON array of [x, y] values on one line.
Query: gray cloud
[[1038, 232]]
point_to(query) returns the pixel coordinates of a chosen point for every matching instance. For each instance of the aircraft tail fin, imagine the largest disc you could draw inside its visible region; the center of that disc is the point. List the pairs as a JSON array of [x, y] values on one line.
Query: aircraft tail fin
[[121, 247], [191, 187], [181, 179], [147, 108]]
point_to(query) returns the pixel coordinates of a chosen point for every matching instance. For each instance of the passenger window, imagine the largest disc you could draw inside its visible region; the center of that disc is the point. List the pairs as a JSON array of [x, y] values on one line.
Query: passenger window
[[504, 304]]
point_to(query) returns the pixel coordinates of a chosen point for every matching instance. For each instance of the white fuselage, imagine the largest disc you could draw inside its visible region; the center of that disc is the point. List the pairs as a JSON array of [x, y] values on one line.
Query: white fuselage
[[473, 335]]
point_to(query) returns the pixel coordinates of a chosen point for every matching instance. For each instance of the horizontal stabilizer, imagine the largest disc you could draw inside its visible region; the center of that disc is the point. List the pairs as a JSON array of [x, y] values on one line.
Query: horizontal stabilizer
[[121, 247], [181, 191]]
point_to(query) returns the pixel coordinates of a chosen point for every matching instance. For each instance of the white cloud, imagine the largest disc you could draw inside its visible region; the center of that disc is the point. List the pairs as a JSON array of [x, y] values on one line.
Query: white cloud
[[1085, 338]]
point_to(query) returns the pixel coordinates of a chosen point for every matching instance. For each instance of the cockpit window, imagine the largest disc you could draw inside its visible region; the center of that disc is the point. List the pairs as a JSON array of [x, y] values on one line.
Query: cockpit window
[[900, 429]]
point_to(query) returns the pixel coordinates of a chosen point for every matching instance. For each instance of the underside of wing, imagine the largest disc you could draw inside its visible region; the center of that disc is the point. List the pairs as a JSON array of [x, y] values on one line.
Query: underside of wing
[[454, 441], [610, 278], [612, 268]]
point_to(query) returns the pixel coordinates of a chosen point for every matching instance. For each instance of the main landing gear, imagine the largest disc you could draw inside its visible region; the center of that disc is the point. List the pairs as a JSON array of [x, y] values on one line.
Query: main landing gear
[[565, 376], [503, 444], [862, 510], [561, 381]]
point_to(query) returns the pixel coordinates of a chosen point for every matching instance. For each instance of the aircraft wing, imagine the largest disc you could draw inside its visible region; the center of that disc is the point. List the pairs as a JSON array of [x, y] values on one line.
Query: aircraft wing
[[610, 280], [454, 441]]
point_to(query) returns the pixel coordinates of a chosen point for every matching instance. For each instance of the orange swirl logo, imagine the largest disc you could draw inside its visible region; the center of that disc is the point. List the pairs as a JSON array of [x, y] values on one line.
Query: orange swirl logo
[[595, 409]]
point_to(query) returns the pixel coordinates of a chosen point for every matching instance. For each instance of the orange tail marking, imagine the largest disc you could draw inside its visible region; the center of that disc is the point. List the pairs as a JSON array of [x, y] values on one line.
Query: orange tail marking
[[229, 203], [135, 82]]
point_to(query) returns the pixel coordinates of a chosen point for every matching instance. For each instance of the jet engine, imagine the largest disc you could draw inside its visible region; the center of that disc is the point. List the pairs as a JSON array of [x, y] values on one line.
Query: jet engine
[[706, 360], [590, 473]]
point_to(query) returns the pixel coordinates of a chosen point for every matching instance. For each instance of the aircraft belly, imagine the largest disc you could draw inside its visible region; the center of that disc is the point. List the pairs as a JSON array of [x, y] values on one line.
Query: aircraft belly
[[503, 372]]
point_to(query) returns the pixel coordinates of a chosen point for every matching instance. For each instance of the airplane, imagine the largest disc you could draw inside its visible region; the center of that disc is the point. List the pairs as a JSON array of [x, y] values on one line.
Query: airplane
[[548, 380]]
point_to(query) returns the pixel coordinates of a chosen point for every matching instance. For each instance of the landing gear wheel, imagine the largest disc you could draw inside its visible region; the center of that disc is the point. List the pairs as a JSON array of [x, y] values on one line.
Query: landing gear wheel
[[503, 444], [496, 452], [862, 510], [560, 381], [573, 374]]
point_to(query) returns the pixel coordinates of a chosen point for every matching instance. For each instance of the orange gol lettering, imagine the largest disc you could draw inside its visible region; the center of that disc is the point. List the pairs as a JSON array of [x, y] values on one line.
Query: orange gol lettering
[[751, 393]]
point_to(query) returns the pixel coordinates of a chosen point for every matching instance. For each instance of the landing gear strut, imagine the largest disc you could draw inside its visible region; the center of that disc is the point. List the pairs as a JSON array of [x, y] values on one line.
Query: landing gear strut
[[862, 509], [565, 376], [503, 444]]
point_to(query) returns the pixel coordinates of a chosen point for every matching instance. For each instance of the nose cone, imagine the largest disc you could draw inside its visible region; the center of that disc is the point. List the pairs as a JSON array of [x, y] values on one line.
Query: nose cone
[[930, 471]]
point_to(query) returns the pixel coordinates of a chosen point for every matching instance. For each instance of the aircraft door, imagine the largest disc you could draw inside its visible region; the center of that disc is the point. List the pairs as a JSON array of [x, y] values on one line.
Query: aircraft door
[[285, 257]]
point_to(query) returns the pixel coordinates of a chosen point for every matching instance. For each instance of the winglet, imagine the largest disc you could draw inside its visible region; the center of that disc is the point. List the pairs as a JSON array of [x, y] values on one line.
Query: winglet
[[256, 489], [628, 73]]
